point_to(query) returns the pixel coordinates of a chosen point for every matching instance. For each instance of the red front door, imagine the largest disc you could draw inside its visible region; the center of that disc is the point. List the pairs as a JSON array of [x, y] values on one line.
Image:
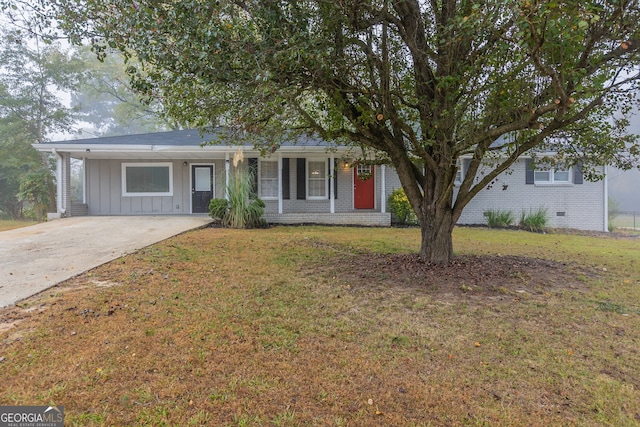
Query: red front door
[[363, 187]]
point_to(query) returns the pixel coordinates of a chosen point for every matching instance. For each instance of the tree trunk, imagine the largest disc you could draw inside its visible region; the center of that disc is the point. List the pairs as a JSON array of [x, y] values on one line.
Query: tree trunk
[[437, 242]]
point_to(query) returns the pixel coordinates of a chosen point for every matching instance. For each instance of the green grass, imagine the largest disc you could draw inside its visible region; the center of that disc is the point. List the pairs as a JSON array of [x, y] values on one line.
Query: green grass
[[626, 221], [261, 328], [10, 224]]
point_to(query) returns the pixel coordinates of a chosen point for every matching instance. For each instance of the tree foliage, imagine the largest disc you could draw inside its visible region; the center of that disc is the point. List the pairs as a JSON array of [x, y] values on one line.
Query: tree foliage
[[17, 159], [420, 83], [107, 101], [32, 73]]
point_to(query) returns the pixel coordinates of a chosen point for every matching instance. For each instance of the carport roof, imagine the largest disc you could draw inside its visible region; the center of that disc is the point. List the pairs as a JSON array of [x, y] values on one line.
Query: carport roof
[[183, 138], [187, 144]]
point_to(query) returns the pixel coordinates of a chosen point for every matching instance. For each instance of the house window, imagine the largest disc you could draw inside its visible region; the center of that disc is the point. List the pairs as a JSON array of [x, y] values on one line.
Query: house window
[[147, 179], [551, 176], [317, 183], [268, 179], [458, 172], [365, 172]]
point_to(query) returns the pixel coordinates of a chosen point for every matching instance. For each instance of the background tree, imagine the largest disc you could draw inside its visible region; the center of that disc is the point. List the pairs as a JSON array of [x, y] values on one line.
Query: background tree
[[33, 73], [108, 102], [419, 83], [17, 160]]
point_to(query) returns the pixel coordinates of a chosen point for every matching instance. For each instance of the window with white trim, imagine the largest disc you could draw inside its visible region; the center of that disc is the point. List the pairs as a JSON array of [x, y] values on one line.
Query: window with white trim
[[147, 179], [268, 179], [317, 182], [364, 172], [551, 176]]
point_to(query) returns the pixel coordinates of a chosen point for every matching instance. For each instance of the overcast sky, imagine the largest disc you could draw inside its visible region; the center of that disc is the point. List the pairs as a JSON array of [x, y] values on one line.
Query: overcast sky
[[624, 187]]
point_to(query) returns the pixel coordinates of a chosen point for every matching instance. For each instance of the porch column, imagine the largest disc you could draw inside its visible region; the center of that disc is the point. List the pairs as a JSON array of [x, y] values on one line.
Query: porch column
[[383, 188], [605, 183], [58, 181], [84, 180], [280, 184], [332, 177], [226, 175], [66, 180], [63, 183]]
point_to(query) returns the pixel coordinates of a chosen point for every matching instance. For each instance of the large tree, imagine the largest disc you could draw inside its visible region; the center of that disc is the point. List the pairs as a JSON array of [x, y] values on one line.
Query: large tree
[[33, 72], [419, 82], [107, 101]]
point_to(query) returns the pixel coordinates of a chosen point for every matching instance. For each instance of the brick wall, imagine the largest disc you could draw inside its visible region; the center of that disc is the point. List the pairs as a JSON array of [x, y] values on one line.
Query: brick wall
[[374, 219], [579, 206]]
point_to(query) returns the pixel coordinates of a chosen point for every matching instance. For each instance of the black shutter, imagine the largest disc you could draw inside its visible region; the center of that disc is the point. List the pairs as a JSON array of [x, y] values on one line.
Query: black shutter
[[286, 192], [301, 179], [253, 169], [577, 174], [529, 172], [335, 177]]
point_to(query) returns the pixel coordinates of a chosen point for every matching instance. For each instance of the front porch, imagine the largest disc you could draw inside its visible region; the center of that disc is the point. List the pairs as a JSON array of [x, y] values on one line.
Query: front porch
[[175, 174]]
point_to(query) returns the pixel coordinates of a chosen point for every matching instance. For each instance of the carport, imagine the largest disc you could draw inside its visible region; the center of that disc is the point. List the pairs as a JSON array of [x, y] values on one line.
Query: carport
[[35, 258]]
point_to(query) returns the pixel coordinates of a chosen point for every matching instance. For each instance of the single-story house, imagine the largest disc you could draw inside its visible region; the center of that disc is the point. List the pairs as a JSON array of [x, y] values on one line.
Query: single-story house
[[303, 181]]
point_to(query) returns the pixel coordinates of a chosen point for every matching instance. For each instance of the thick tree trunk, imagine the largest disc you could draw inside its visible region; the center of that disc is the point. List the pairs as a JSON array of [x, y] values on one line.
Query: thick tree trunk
[[437, 242]]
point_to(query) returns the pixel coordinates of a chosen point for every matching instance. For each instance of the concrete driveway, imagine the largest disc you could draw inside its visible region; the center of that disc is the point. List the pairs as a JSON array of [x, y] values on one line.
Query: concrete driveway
[[35, 258]]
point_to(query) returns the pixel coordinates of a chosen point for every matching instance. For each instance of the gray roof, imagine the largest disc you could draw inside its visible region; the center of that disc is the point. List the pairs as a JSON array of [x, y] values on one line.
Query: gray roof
[[185, 138]]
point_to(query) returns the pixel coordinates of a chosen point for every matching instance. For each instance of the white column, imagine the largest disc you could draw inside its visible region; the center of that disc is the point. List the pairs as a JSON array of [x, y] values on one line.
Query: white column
[[280, 210], [58, 181], [332, 196], [226, 175], [66, 182], [605, 183], [383, 189], [84, 180]]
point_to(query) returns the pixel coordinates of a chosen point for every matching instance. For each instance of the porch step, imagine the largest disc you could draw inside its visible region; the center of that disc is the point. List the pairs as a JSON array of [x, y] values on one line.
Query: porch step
[[79, 209], [373, 219]]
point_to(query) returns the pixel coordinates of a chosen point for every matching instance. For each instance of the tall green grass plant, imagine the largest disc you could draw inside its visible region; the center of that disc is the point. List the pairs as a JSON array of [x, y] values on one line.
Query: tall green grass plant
[[499, 218], [534, 221], [243, 209]]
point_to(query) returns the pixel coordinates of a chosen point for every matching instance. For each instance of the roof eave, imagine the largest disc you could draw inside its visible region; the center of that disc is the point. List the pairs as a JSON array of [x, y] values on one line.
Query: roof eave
[[148, 148]]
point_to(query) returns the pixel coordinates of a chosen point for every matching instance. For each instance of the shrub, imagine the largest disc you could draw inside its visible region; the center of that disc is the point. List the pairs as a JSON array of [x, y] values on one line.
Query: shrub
[[534, 221], [243, 209], [499, 219], [400, 207], [218, 208]]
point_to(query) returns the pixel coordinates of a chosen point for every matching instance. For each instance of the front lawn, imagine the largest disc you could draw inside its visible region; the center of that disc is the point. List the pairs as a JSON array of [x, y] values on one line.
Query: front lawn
[[337, 326]]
